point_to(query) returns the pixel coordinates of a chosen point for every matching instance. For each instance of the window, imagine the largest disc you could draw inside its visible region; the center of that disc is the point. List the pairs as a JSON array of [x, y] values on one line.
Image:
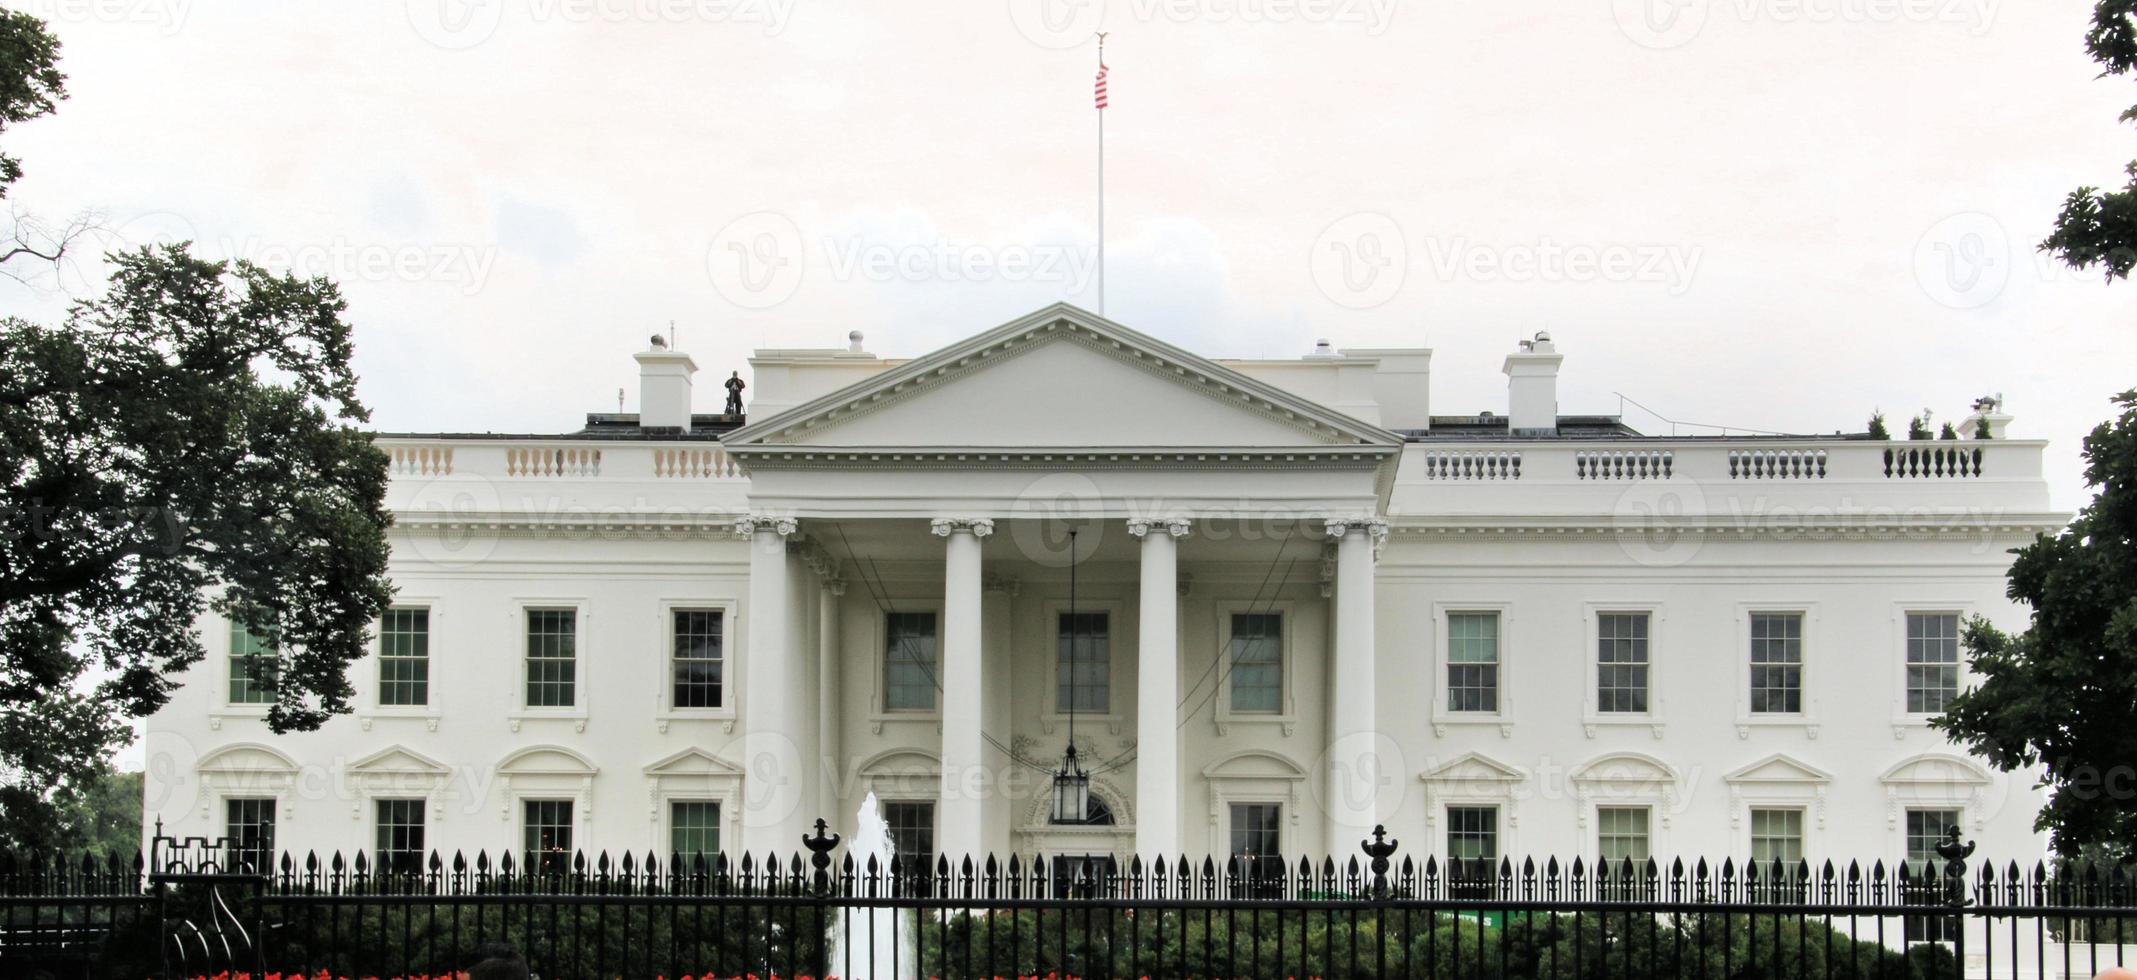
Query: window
[[1472, 850], [404, 657], [1621, 834], [249, 830], [698, 649], [552, 658], [1777, 663], [1924, 829], [1473, 662], [1257, 652], [1084, 667], [909, 661], [1621, 662], [1932, 661], [1777, 835], [252, 667], [694, 831], [400, 836], [912, 836], [1257, 839], [547, 836]]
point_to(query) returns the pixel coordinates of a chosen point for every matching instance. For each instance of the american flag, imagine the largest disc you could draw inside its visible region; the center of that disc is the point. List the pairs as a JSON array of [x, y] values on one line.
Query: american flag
[[1101, 85]]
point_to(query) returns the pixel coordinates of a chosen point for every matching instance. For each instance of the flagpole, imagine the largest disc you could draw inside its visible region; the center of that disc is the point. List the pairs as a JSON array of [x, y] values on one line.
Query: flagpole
[[1101, 181]]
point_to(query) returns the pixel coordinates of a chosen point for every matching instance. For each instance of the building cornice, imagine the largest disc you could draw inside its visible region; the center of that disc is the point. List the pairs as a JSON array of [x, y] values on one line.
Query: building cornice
[[1358, 457]]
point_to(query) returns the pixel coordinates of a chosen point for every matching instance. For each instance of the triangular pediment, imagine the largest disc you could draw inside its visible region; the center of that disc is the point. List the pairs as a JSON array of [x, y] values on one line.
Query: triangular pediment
[[397, 760], [1060, 378], [1778, 768], [1472, 767], [692, 762]]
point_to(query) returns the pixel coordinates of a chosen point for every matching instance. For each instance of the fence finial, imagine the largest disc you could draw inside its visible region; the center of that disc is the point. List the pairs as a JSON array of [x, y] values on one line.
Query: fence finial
[[1954, 854], [1379, 849], [820, 846]]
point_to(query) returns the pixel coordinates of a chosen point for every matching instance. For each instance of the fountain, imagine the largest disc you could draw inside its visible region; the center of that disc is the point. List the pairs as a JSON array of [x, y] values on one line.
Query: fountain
[[882, 932]]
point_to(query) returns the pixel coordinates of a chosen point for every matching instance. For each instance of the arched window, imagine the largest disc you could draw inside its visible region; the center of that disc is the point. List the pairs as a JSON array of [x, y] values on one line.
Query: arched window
[[1095, 814]]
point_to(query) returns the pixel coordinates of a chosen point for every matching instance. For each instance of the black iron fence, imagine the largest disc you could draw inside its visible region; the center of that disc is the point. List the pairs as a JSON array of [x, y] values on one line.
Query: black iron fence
[[198, 907]]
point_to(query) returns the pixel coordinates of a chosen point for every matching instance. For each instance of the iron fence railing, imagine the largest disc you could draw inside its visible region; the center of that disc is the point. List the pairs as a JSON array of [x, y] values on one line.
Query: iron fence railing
[[198, 907]]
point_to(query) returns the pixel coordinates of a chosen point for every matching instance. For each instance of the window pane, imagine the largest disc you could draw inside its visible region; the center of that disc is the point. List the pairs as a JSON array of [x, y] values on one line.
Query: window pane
[[1473, 662], [694, 831], [1257, 656], [699, 658], [1622, 833], [252, 667], [1084, 667], [1256, 837], [1777, 663], [1472, 849], [909, 662], [1777, 834], [1924, 829], [249, 826], [404, 657], [912, 836], [552, 658], [548, 836], [1621, 662], [1932, 661], [399, 846]]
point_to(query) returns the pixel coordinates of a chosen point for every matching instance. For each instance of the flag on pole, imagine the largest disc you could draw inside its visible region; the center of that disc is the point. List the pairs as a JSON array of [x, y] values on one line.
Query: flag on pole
[[1101, 83]]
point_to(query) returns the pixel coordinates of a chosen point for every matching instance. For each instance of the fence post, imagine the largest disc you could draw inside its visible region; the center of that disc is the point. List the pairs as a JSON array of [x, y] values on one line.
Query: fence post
[[820, 847], [1955, 854], [1379, 849]]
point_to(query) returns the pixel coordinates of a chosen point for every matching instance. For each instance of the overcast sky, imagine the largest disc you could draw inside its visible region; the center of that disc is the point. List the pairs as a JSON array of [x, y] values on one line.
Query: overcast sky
[[1775, 214]]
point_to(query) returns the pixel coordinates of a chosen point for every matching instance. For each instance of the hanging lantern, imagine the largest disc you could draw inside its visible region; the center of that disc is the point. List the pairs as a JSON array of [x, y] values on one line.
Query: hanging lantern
[[1072, 790]]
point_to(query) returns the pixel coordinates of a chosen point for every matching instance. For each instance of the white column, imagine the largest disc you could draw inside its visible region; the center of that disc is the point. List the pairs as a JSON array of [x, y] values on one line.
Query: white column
[[965, 780], [1353, 777], [1000, 812], [769, 756], [1157, 692], [830, 750]]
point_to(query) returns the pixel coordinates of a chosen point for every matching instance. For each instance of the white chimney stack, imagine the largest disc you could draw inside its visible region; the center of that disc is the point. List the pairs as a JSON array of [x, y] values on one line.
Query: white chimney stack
[[1532, 387], [664, 387]]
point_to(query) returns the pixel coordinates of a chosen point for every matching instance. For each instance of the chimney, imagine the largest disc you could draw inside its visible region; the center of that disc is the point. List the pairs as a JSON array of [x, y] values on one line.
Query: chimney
[[1532, 387], [664, 387]]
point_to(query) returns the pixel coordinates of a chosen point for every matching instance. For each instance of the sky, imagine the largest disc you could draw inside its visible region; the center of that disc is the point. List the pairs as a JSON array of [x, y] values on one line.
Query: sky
[[1769, 214]]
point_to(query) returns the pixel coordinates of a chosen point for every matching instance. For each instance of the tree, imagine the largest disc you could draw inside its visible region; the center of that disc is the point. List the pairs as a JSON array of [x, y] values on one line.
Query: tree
[[2098, 227], [2059, 694], [99, 816], [185, 443], [1947, 432], [1877, 427], [1918, 427], [30, 80]]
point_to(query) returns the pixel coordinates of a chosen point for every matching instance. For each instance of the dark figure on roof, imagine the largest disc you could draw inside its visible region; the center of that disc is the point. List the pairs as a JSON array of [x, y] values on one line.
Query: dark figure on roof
[[734, 386]]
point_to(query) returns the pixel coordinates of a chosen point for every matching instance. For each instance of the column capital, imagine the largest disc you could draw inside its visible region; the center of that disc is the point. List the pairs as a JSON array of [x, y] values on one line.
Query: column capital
[[750, 525], [979, 527], [1376, 527], [836, 584], [1178, 527]]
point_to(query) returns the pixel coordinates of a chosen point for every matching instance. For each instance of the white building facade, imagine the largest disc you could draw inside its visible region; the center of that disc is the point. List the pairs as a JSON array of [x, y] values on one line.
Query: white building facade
[[1302, 606]]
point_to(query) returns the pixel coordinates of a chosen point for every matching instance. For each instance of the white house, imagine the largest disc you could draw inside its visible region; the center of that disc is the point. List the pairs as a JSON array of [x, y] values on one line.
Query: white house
[[1302, 605]]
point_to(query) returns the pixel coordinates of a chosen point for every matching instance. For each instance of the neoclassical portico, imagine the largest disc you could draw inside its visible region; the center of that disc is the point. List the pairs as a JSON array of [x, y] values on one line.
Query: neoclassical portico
[[1151, 448]]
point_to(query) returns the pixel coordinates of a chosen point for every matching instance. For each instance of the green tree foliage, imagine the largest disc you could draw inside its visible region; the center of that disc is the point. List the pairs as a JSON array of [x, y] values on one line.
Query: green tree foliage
[[2059, 695], [1877, 427], [1947, 432], [30, 80], [1918, 427], [2100, 227], [99, 817], [185, 443]]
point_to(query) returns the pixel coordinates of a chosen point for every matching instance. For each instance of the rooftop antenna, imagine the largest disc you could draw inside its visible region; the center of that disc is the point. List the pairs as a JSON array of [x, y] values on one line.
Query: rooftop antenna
[[671, 335], [619, 401]]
